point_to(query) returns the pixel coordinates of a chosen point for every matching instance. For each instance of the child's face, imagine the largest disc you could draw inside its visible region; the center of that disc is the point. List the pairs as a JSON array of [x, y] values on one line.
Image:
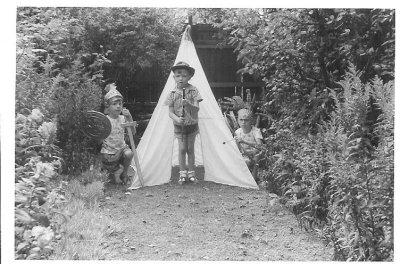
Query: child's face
[[244, 122], [115, 108], [181, 77]]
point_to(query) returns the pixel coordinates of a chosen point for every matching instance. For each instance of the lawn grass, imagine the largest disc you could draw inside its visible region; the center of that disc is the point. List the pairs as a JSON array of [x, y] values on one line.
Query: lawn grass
[[85, 233]]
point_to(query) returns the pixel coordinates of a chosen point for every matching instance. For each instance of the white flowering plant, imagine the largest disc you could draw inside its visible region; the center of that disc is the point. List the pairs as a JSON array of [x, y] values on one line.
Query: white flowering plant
[[38, 191]]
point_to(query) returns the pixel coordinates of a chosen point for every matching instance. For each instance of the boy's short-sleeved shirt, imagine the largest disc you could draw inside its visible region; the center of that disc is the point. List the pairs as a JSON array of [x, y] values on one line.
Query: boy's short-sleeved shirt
[[175, 99], [116, 140], [255, 133]]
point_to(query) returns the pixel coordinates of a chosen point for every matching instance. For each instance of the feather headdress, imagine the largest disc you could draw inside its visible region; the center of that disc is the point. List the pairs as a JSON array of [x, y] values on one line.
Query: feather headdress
[[112, 92]]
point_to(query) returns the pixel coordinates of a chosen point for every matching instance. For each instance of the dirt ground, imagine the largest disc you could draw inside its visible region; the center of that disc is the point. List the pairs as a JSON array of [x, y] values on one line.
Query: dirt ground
[[204, 221]]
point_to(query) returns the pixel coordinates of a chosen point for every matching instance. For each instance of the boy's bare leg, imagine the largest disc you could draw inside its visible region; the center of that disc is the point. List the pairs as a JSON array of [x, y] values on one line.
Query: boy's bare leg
[[128, 156], [255, 173], [182, 154], [190, 153], [255, 168], [191, 159], [182, 160]]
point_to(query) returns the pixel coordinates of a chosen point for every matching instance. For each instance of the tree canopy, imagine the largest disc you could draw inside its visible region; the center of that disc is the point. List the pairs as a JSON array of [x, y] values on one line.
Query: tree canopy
[[300, 53]]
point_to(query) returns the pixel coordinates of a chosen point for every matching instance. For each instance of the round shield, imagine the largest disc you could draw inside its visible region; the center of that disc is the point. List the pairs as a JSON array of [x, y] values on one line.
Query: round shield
[[97, 125]]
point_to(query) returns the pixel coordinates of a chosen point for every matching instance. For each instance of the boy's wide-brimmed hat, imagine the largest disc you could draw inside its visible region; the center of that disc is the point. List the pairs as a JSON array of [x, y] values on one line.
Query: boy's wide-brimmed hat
[[183, 65]]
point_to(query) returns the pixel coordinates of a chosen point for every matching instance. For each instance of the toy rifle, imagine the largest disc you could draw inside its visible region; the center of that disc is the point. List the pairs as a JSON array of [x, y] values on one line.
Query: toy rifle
[[183, 112], [260, 148]]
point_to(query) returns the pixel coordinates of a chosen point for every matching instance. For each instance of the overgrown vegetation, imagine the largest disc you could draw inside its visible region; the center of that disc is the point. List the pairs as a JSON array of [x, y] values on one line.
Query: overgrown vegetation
[[65, 56], [330, 137], [330, 154], [337, 182]]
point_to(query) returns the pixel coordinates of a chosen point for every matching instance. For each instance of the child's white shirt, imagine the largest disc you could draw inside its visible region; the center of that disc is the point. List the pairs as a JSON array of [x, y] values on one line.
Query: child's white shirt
[[251, 137], [116, 140]]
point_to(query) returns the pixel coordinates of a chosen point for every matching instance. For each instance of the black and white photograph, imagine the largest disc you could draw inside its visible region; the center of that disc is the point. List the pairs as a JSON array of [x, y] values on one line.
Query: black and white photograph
[[166, 132]]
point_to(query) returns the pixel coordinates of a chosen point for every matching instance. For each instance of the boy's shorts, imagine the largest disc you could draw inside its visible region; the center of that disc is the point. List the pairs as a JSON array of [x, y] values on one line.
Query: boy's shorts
[[189, 131], [111, 162]]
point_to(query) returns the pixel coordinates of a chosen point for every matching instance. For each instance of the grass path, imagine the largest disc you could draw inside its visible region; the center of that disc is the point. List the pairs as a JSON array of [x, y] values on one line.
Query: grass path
[[207, 221]]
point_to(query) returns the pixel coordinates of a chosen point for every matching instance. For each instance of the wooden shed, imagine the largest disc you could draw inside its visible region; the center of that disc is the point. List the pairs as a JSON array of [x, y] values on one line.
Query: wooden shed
[[220, 64]]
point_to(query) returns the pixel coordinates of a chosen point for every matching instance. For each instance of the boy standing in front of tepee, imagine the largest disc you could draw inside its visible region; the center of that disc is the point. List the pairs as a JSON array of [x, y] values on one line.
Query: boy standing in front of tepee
[[183, 102]]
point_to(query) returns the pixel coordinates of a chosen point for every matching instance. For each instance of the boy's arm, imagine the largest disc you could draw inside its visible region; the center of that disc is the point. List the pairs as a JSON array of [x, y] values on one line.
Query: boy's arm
[[174, 117], [128, 118], [238, 140], [258, 142], [194, 106], [240, 148], [258, 136]]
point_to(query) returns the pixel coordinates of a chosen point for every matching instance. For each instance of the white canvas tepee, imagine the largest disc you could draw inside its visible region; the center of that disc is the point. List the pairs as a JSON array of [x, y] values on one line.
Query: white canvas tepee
[[157, 150]]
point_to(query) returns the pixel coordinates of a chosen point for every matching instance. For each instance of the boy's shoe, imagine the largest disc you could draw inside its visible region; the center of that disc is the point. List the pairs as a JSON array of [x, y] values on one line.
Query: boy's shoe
[[182, 177], [192, 177]]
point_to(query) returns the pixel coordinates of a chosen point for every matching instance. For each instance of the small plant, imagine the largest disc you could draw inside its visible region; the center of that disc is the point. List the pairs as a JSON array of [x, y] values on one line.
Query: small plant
[[93, 174], [87, 230], [89, 193]]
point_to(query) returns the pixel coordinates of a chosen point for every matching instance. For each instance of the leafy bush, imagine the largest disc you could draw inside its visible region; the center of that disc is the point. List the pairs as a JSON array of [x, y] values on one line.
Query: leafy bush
[[337, 181], [40, 211], [54, 77], [300, 53], [75, 93], [42, 64], [360, 212], [37, 195]]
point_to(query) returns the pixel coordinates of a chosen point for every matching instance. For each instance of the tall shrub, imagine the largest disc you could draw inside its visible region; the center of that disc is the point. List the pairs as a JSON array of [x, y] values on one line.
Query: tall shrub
[[74, 94], [356, 177], [339, 181], [53, 76]]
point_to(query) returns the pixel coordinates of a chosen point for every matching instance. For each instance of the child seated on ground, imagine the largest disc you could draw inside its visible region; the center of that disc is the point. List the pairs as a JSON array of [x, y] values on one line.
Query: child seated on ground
[[249, 140], [116, 154]]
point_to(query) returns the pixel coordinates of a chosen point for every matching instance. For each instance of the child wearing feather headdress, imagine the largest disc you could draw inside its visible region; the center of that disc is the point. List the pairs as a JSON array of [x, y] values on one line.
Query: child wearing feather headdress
[[116, 154]]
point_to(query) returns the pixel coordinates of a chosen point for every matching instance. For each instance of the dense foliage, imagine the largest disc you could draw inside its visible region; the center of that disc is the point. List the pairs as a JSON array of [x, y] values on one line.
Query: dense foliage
[[65, 56], [299, 53], [330, 154], [141, 44]]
